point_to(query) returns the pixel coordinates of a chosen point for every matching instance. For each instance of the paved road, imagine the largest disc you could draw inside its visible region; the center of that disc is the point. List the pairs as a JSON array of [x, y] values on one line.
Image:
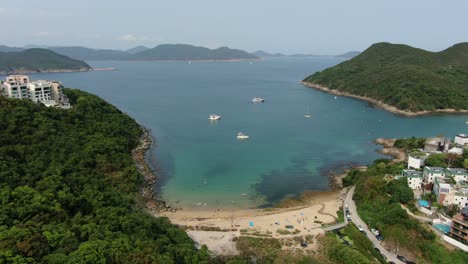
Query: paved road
[[358, 221]]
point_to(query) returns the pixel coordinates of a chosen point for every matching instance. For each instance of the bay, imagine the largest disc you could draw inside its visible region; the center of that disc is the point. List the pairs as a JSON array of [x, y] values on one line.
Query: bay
[[202, 164]]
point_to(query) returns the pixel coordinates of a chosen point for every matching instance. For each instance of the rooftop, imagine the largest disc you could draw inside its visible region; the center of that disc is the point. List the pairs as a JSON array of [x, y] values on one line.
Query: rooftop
[[434, 169], [412, 173], [457, 171], [462, 192]]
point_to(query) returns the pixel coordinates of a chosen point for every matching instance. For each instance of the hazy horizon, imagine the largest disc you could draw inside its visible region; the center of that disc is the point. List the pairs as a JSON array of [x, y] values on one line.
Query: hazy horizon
[[310, 27]]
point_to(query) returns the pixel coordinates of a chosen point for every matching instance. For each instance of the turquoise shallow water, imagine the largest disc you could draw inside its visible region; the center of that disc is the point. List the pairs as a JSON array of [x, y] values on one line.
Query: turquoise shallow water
[[202, 162]]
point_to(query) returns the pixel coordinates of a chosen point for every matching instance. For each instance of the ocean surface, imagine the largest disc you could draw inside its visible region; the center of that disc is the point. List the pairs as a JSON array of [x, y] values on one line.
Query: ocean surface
[[202, 164]]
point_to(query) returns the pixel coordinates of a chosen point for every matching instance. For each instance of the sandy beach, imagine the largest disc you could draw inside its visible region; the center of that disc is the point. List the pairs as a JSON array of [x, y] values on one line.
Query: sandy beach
[[218, 228], [382, 105]]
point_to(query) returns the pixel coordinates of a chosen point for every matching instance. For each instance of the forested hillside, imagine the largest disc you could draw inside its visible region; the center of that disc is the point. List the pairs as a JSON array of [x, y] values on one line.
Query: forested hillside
[[402, 76], [38, 60], [68, 187]]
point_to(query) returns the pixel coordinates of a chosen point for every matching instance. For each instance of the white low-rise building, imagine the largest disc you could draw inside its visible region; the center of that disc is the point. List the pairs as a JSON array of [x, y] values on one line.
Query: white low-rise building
[[416, 161], [461, 140], [458, 174], [414, 178], [430, 173], [461, 198]]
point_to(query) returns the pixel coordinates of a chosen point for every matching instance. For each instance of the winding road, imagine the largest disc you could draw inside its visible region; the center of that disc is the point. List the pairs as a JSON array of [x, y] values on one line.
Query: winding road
[[358, 221]]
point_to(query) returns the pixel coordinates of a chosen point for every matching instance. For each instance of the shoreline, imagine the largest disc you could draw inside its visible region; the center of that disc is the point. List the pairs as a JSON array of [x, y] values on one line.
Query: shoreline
[[227, 60], [390, 150], [382, 105], [152, 203], [56, 71], [45, 71]]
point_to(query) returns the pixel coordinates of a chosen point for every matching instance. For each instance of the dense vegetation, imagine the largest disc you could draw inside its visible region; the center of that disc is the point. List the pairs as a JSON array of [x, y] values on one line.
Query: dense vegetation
[[402, 76], [409, 144], [378, 200], [83, 53], [68, 186], [38, 60]]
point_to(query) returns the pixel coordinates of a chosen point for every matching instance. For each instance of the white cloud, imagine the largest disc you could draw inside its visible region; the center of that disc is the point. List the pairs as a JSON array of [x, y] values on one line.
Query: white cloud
[[128, 38]]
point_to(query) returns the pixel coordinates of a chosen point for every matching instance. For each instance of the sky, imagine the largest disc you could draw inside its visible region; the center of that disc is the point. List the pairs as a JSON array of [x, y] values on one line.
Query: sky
[[294, 26]]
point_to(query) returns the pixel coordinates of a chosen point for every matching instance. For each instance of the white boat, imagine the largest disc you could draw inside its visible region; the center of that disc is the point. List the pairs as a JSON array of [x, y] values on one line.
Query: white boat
[[241, 135], [258, 100], [214, 117], [307, 114]]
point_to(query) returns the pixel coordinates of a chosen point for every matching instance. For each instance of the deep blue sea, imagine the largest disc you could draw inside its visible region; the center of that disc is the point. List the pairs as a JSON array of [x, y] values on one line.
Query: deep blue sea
[[201, 162]]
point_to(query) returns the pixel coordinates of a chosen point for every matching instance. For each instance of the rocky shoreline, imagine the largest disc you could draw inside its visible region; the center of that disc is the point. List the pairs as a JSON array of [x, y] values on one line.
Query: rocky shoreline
[[389, 149], [382, 105], [45, 71], [152, 202]]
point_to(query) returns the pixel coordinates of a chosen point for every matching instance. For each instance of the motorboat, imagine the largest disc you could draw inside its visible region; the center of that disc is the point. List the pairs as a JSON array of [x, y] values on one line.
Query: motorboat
[[241, 135], [258, 100], [214, 117], [307, 116]]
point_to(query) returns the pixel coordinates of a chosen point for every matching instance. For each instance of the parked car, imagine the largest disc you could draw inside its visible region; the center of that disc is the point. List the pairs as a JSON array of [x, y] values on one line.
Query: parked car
[[391, 262], [377, 249], [401, 258], [360, 228], [379, 237], [375, 231], [383, 256]]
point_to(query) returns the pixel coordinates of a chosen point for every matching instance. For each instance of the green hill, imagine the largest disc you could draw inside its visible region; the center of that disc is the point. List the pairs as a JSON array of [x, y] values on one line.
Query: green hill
[[38, 60], [87, 54], [407, 78], [68, 188], [183, 52]]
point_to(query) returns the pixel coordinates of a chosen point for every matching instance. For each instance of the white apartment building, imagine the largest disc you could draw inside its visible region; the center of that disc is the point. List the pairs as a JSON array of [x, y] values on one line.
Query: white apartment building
[[50, 93], [414, 178], [461, 198], [458, 174], [430, 173], [416, 162], [461, 139]]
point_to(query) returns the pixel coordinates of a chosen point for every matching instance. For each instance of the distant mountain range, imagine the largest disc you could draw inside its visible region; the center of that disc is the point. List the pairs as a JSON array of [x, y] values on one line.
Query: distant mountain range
[[166, 52], [350, 54], [38, 60], [397, 76], [264, 54]]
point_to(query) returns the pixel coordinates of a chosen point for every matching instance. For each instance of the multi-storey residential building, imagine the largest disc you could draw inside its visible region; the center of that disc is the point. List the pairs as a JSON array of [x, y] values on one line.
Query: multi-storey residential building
[[414, 178], [458, 174], [459, 228], [444, 191], [430, 173], [461, 198], [50, 93], [461, 139]]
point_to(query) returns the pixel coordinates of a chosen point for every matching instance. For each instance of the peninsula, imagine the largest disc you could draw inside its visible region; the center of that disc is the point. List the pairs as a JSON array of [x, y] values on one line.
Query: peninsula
[[39, 60], [164, 52], [401, 79]]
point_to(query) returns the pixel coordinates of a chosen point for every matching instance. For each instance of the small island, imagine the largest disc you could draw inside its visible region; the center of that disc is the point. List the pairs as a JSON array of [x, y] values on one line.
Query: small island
[[39, 60], [401, 79]]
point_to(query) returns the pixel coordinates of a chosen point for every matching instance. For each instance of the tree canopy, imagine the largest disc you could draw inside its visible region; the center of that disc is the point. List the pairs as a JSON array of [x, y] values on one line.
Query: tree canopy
[[402, 76], [68, 188]]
